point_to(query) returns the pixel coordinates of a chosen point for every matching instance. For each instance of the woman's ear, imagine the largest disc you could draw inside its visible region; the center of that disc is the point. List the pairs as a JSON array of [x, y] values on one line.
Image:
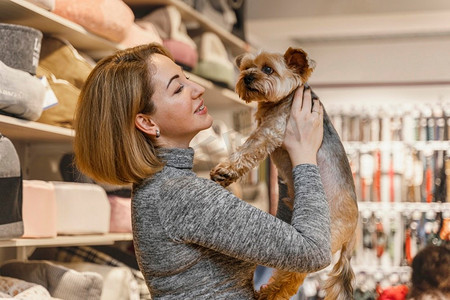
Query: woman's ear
[[145, 124]]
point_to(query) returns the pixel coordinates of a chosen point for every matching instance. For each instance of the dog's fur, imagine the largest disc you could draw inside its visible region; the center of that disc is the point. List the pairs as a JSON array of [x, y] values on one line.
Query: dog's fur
[[271, 80]]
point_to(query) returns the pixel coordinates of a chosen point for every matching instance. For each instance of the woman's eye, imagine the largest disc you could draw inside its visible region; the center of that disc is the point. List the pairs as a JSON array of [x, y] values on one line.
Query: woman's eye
[[179, 89], [268, 70]]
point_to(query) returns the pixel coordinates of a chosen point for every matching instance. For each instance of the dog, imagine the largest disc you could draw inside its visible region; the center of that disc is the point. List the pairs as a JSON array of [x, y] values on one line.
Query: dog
[[271, 79]]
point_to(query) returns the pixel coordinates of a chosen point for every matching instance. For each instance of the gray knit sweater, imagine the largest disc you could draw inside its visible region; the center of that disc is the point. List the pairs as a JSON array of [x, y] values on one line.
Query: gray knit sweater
[[196, 240]]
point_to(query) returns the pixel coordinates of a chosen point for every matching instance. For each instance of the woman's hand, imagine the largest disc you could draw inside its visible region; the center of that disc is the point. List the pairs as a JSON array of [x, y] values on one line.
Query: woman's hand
[[304, 131]]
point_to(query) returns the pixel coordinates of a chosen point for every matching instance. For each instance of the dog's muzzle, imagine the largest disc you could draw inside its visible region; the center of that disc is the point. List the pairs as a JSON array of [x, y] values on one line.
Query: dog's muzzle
[[248, 79]]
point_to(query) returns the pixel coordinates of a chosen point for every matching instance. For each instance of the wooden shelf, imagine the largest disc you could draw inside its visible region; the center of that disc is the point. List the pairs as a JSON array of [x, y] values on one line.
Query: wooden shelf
[[76, 240], [393, 145], [189, 14], [21, 12], [405, 207], [19, 129]]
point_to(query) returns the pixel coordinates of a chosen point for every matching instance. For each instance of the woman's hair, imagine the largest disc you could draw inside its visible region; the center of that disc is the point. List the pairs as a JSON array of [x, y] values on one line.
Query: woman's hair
[[431, 273], [108, 147]]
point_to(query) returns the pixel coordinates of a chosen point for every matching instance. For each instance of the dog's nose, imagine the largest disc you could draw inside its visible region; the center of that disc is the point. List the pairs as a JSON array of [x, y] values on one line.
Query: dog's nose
[[248, 79]]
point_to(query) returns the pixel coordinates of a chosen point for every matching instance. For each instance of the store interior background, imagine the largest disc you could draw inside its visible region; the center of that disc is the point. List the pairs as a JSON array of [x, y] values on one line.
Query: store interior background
[[381, 66], [383, 50], [386, 60]]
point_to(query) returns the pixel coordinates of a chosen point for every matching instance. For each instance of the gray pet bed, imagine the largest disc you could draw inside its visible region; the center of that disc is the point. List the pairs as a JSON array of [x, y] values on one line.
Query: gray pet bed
[[21, 94], [20, 47]]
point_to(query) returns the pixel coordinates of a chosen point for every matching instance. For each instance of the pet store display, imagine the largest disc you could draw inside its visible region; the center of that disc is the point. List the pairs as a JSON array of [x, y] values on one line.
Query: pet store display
[[64, 81], [391, 235], [401, 156], [100, 255], [283, 74], [11, 222]]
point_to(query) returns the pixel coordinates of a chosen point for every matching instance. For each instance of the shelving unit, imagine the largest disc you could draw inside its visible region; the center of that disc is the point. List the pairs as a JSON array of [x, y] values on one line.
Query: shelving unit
[[33, 131], [29, 136], [23, 245], [75, 240], [21, 12], [189, 14]]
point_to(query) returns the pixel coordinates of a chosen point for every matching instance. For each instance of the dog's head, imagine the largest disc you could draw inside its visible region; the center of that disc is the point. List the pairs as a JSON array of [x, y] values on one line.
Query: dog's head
[[270, 77]]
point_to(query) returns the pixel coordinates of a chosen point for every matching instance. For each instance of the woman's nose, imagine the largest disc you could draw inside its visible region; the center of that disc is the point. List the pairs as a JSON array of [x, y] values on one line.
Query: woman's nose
[[197, 90]]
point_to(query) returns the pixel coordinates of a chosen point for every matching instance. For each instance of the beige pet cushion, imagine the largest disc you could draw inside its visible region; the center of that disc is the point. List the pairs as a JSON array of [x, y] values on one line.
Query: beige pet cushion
[[140, 34], [61, 114], [118, 282], [60, 58]]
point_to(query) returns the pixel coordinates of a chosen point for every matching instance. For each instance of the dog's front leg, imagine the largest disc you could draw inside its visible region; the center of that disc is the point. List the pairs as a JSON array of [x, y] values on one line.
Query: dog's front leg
[[263, 141]]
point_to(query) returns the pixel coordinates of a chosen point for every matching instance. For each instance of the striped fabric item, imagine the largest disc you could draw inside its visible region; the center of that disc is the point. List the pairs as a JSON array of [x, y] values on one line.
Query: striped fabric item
[[89, 254]]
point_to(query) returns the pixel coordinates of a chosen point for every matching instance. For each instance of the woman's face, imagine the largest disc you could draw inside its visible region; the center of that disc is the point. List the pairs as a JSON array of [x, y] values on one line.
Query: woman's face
[[180, 111]]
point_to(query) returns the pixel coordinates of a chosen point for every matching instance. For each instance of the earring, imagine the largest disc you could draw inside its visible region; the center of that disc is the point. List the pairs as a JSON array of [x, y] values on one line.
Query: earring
[[158, 133]]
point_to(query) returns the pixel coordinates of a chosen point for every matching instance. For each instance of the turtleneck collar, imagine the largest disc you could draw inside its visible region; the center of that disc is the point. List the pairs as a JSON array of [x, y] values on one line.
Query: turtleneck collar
[[181, 158]]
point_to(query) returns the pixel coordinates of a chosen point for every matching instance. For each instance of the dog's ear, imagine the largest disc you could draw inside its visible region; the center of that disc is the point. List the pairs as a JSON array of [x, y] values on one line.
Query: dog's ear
[[297, 60], [238, 59]]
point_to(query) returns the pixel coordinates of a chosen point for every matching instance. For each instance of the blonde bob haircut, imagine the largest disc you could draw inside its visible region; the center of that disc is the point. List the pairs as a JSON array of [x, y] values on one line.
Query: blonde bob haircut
[[107, 145]]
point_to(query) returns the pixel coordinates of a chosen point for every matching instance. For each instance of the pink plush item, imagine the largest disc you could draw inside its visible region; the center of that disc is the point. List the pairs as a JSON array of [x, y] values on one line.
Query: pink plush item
[[39, 209], [183, 54], [138, 35], [120, 214], [110, 19]]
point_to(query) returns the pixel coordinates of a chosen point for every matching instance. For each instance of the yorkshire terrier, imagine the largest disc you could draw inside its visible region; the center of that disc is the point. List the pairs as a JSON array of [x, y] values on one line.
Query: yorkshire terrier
[[271, 80]]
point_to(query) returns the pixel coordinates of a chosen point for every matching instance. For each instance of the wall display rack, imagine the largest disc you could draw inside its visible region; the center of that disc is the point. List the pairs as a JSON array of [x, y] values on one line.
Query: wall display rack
[[25, 135]]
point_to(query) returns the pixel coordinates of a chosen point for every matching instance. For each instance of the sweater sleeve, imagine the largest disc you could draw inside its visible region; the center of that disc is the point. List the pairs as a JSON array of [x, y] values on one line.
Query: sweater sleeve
[[202, 212]]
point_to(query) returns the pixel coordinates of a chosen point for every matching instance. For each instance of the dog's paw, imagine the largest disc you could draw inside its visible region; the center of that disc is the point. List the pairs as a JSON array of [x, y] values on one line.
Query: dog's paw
[[224, 174], [265, 293]]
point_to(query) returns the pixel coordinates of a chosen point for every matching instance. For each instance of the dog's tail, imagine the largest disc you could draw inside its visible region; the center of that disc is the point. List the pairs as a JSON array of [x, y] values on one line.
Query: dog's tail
[[339, 285]]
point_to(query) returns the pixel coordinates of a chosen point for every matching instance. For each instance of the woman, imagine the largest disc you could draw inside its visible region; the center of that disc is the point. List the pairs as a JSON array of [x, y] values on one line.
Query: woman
[[137, 114], [430, 279]]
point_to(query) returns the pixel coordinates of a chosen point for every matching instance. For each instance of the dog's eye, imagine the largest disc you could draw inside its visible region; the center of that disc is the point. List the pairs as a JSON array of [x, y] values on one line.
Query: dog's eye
[[268, 70]]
